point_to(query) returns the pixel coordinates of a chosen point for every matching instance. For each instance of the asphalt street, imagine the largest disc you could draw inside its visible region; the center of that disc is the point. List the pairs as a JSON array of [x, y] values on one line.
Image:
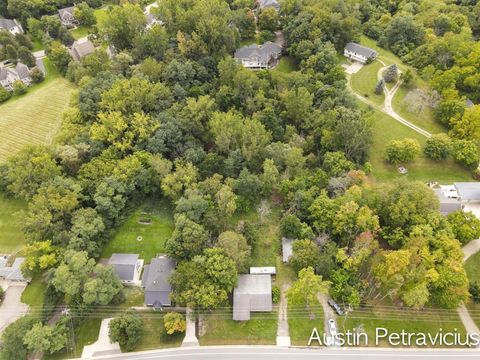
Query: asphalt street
[[275, 353]]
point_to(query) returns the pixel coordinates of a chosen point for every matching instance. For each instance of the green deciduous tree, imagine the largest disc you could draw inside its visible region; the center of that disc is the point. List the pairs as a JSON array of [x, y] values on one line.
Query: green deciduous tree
[[307, 287], [438, 147], [465, 226], [236, 247], [402, 151], [126, 329], [305, 254], [174, 322]]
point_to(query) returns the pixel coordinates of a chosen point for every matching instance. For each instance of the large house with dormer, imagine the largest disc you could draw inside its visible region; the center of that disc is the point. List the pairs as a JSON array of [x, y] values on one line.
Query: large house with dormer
[[258, 57], [12, 26], [67, 18], [8, 75]]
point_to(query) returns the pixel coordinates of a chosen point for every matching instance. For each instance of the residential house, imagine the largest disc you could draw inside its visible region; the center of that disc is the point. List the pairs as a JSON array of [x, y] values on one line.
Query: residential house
[[252, 294], [359, 53], [257, 57], [8, 75], [11, 25], [447, 204], [287, 249], [81, 48], [156, 281], [67, 18], [12, 273], [262, 4], [128, 267]]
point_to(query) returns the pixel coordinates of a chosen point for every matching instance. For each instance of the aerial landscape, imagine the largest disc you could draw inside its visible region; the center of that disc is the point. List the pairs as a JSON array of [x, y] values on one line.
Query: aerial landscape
[[239, 179]]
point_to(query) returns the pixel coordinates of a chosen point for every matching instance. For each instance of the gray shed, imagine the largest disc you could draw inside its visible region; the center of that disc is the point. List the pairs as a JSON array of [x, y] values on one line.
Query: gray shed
[[124, 265], [447, 205], [253, 293], [156, 281], [287, 248]]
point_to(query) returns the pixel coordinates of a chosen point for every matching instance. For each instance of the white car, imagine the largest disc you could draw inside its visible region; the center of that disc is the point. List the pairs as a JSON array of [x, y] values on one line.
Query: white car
[[332, 327]]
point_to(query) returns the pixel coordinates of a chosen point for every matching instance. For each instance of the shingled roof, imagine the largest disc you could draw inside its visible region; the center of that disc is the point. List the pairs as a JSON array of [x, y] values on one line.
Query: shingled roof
[[360, 50]]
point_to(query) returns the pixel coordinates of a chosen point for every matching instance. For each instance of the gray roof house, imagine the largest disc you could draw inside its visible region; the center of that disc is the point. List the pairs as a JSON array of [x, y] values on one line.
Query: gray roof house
[[447, 204], [262, 4], [359, 53], [253, 293], [12, 273], [127, 267], [156, 281], [256, 57], [8, 75], [11, 25], [286, 248], [81, 48], [66, 16], [468, 191]]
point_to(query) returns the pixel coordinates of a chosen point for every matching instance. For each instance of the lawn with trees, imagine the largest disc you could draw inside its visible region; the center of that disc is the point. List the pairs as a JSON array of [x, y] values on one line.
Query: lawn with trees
[[242, 158]]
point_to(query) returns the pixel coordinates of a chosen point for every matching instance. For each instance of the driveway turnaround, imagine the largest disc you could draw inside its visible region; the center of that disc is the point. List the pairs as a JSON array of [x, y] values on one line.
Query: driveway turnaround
[[275, 353]]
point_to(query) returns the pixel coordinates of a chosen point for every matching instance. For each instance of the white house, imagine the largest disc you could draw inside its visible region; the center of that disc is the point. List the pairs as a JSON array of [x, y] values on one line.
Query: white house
[[13, 26], [263, 4], [359, 53], [257, 57]]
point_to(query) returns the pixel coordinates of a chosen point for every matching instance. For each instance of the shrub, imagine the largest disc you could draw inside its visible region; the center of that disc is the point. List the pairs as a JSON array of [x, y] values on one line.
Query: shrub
[[265, 35], [465, 152], [19, 87], [402, 151], [390, 75], [379, 87], [4, 94], [174, 322], [37, 76], [438, 147], [275, 294], [2, 294], [475, 292]]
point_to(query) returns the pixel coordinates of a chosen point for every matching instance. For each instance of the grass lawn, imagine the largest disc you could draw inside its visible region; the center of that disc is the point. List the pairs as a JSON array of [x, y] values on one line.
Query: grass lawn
[[101, 13], [134, 296], [37, 45], [33, 118], [80, 31], [287, 65], [398, 319], [34, 293], [301, 324], [249, 41], [11, 235], [364, 82], [472, 267], [154, 335], [153, 235], [386, 56], [387, 129], [220, 329], [86, 333]]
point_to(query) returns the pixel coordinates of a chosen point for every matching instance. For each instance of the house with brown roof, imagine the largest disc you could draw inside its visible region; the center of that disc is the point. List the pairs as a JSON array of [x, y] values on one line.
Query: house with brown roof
[[81, 48]]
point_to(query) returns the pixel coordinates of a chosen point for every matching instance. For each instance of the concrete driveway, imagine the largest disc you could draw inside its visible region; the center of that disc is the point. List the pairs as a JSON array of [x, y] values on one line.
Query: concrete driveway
[[352, 68], [12, 308]]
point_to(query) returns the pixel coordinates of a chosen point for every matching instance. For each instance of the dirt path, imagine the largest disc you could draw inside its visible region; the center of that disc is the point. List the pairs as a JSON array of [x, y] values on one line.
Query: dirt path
[[387, 105], [283, 334], [327, 312]]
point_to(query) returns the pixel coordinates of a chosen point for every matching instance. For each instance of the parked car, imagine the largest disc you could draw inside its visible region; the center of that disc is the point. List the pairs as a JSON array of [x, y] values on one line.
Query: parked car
[[335, 307], [332, 327]]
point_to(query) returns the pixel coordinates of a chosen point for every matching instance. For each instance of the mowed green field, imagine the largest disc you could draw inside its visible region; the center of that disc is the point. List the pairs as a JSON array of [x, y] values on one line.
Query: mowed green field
[[11, 235], [34, 117]]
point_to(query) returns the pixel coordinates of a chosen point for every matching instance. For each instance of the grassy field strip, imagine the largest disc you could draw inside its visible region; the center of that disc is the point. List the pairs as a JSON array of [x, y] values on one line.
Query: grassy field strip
[[33, 118]]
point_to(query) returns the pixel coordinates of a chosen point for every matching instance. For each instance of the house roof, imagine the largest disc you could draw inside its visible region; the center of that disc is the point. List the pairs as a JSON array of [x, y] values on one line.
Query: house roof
[[263, 52], [7, 24], [12, 272], [41, 66], [287, 248], [65, 11], [360, 50], [22, 71], [123, 259], [254, 285], [468, 190], [81, 48], [447, 204], [3, 73], [469, 103], [156, 275], [253, 293]]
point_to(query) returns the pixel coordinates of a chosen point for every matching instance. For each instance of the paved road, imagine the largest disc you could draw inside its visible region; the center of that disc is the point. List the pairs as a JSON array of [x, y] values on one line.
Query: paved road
[[470, 249], [273, 353]]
